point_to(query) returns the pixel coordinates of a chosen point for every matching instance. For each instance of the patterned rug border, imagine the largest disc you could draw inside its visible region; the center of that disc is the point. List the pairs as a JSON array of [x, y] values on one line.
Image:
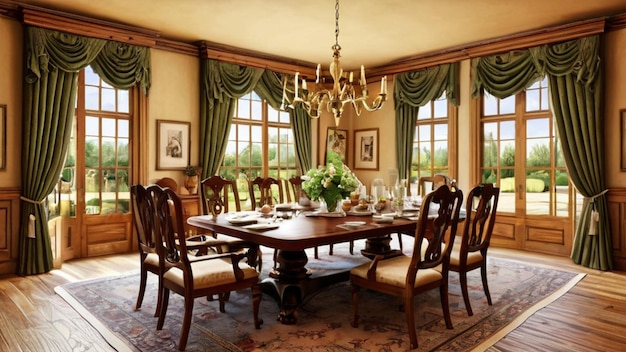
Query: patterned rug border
[[120, 343]]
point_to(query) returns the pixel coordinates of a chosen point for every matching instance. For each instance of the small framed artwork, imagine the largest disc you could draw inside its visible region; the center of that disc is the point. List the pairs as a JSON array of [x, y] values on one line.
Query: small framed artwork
[[3, 137], [173, 145], [337, 141], [623, 138], [366, 149]]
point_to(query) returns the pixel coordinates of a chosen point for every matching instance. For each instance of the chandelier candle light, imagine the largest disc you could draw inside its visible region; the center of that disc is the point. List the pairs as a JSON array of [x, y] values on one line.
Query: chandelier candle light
[[343, 91]]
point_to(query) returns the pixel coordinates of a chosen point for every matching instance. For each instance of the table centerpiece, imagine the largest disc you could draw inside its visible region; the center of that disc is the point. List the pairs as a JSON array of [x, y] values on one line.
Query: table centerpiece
[[331, 183]]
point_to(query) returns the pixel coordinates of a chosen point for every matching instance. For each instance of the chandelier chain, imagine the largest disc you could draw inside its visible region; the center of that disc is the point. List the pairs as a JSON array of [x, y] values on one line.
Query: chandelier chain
[[337, 23]]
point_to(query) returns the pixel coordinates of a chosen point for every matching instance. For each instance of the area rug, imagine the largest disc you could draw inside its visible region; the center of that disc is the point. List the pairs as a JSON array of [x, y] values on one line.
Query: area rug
[[517, 290]]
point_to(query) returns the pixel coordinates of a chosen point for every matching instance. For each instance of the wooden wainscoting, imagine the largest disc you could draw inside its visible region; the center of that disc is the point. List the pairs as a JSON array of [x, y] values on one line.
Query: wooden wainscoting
[[9, 229], [617, 215]]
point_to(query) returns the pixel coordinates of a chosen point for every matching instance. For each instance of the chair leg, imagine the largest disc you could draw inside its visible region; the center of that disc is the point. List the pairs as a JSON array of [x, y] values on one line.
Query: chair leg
[[184, 330], [352, 247], [483, 274], [330, 251], [159, 296], [445, 305], [257, 295], [463, 282], [164, 302], [355, 303], [142, 289], [400, 240], [316, 254], [410, 321]]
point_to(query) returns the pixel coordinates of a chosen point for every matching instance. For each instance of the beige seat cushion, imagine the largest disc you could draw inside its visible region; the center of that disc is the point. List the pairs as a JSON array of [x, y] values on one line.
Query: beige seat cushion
[[393, 272], [152, 259], [210, 273], [455, 256]]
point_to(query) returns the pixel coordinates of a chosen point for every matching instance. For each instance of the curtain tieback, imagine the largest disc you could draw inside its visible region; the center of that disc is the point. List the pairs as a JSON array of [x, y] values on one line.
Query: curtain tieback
[[595, 216], [28, 200]]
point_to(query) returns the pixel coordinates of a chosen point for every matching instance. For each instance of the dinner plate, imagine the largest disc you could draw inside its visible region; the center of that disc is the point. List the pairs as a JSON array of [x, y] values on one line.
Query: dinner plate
[[382, 219], [242, 220], [262, 226], [354, 223]]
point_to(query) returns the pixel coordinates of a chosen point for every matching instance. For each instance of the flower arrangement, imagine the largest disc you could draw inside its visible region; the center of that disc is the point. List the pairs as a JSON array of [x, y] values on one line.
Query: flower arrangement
[[332, 182], [192, 170]]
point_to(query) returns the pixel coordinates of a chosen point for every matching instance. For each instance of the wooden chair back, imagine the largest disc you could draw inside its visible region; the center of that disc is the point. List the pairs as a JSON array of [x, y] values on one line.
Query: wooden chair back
[[480, 210], [215, 194], [168, 182], [428, 184], [142, 208], [267, 188], [296, 188], [437, 226]]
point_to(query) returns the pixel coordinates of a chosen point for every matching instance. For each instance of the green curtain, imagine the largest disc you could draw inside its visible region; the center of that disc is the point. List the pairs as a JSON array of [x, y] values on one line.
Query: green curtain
[[270, 88], [221, 84], [412, 90], [52, 62], [576, 102], [573, 70]]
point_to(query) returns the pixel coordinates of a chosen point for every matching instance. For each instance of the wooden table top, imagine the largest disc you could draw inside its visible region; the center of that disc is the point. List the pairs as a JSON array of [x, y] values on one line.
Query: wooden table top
[[301, 232]]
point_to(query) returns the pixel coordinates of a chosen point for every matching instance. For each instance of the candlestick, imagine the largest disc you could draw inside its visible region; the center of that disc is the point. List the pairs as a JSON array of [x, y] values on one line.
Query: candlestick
[[317, 74], [363, 82], [295, 84]]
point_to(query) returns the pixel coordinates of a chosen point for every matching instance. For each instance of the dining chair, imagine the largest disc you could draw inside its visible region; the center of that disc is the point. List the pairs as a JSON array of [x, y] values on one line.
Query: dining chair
[[142, 208], [427, 267], [215, 194], [193, 277], [470, 251], [266, 188], [168, 182], [428, 184]]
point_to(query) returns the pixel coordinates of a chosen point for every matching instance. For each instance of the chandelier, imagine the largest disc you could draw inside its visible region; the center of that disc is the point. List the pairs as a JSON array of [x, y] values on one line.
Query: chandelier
[[343, 91]]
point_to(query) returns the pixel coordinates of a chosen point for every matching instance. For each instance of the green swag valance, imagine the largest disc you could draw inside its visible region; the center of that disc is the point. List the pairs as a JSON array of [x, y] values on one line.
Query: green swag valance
[[415, 89]]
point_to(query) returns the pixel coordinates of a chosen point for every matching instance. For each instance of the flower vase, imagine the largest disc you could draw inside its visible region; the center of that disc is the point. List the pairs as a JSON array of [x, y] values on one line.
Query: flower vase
[[191, 184], [332, 204]]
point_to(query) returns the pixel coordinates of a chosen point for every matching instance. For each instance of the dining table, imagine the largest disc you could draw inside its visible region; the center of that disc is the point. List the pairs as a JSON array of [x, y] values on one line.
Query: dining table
[[290, 283]]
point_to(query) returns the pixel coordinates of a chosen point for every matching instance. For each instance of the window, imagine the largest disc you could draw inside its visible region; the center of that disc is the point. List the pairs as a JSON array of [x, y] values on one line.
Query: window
[[431, 142], [102, 123], [519, 141], [260, 143]]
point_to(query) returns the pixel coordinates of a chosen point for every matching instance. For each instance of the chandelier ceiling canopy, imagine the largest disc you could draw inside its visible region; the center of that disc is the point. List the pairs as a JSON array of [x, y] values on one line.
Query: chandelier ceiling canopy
[[342, 92]]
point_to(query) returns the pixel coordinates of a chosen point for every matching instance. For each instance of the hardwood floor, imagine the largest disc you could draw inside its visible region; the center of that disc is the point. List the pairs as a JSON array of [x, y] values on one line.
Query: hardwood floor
[[590, 317]]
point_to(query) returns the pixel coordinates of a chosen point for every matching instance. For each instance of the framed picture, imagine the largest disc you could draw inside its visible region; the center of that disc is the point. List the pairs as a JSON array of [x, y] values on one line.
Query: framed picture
[[173, 145], [337, 141], [623, 139], [3, 137], [366, 149]]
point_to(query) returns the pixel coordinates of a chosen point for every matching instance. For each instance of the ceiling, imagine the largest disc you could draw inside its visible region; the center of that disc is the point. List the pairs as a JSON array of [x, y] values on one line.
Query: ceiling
[[371, 32]]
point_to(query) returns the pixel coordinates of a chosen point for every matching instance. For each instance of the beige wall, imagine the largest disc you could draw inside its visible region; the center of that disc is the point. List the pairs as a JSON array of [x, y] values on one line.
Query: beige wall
[[11, 96], [174, 95], [615, 100]]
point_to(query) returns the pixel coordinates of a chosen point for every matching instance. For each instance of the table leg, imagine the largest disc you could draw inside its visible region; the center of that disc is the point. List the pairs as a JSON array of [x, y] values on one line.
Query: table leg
[[290, 283], [379, 246]]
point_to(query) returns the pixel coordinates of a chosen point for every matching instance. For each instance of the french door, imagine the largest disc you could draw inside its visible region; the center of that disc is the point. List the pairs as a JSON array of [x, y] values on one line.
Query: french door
[[521, 154], [95, 199]]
